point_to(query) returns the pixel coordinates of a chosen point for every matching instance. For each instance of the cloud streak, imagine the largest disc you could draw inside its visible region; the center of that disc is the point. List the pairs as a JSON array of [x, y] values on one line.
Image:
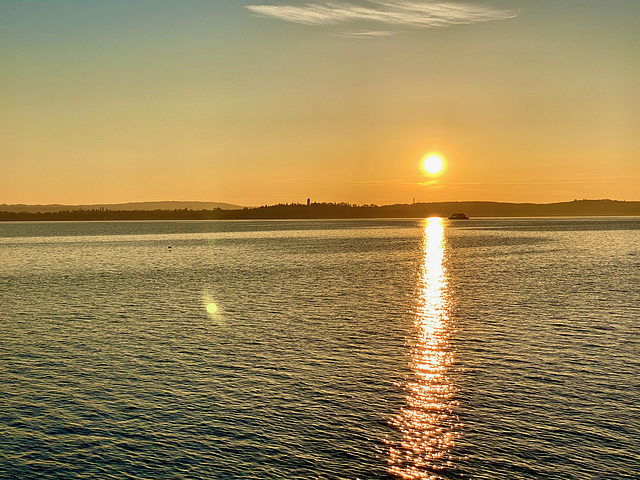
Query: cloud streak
[[408, 13], [368, 34]]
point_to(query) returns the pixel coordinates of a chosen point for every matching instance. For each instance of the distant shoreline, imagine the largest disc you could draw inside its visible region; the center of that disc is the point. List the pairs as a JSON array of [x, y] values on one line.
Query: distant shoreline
[[586, 208]]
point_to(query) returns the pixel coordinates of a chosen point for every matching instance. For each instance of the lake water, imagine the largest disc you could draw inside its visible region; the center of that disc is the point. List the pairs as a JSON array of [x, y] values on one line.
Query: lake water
[[364, 349]]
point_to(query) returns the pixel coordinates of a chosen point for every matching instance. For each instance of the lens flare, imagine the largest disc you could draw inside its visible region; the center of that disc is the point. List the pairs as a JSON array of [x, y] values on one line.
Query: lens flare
[[212, 308]]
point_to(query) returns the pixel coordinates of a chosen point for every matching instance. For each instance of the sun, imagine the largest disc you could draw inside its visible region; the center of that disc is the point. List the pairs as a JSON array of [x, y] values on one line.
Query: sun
[[433, 164]]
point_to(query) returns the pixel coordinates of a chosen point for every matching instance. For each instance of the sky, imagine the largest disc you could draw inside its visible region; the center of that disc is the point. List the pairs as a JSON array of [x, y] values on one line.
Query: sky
[[262, 102]]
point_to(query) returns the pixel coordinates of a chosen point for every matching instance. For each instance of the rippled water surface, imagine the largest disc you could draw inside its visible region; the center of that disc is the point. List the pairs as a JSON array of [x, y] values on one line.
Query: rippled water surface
[[417, 349]]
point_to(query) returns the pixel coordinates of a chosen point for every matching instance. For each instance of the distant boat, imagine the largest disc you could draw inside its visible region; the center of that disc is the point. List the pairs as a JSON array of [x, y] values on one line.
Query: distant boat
[[458, 216]]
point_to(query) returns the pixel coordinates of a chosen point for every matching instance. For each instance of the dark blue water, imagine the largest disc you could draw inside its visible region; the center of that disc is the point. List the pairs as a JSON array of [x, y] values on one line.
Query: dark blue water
[[482, 349]]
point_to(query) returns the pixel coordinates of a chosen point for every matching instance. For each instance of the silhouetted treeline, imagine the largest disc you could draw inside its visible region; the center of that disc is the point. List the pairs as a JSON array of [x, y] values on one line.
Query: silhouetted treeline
[[164, 205], [346, 210]]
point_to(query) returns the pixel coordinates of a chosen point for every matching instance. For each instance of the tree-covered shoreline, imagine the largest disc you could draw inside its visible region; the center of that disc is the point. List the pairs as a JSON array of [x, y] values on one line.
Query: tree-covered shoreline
[[342, 210]]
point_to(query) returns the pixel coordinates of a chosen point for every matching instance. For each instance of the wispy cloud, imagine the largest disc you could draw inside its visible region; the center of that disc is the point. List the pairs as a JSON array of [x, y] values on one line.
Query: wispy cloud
[[408, 13], [369, 34]]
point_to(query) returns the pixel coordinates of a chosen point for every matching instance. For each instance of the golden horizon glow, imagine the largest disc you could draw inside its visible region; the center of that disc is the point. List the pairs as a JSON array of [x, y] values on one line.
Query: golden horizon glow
[[428, 423], [433, 164]]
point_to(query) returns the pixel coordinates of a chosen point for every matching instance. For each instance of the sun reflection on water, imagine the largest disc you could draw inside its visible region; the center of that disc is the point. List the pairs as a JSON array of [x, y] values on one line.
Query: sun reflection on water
[[428, 423]]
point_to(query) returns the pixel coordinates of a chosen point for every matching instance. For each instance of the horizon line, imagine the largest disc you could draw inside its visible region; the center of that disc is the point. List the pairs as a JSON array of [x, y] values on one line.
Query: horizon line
[[351, 204]]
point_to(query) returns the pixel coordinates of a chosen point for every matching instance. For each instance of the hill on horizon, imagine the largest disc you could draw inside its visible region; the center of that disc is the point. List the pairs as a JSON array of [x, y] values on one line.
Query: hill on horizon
[[165, 205]]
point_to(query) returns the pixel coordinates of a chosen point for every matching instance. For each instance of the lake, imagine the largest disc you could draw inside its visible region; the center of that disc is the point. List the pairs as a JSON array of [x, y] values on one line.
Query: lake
[[352, 349]]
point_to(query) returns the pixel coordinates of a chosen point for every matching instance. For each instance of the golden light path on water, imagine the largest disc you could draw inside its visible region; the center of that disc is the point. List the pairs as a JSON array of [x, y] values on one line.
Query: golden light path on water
[[428, 423]]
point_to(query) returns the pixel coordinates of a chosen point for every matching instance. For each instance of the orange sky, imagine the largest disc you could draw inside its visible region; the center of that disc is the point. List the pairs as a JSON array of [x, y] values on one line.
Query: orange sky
[[264, 102]]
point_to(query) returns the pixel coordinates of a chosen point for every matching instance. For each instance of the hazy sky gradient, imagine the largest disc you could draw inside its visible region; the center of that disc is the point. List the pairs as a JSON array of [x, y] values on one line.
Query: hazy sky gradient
[[275, 101]]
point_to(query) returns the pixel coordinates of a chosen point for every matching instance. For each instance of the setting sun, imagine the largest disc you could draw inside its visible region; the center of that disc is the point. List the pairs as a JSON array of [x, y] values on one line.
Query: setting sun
[[433, 164]]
